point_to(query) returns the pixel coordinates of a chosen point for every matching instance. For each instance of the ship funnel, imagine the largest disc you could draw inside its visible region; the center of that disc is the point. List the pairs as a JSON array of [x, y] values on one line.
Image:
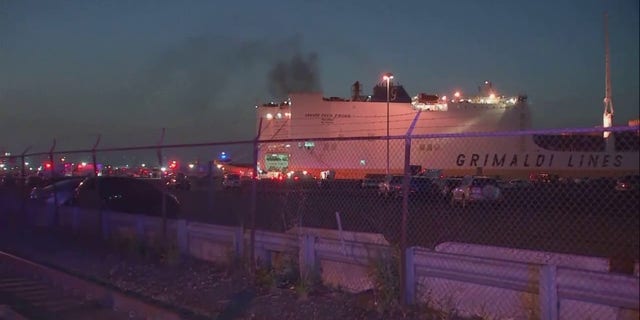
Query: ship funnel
[[356, 91]]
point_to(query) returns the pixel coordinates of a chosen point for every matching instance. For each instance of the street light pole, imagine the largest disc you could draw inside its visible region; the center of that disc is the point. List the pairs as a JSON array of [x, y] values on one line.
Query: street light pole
[[387, 77]]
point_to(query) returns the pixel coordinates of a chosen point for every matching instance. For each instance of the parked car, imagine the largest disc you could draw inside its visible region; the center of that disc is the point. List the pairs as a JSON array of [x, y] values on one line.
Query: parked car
[[178, 181], [421, 187], [372, 180], [418, 186], [299, 176], [232, 180], [125, 194], [446, 185], [60, 192], [390, 186], [476, 189]]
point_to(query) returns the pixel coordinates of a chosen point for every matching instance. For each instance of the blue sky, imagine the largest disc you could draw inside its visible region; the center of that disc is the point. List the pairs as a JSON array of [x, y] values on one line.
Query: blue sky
[[71, 69]]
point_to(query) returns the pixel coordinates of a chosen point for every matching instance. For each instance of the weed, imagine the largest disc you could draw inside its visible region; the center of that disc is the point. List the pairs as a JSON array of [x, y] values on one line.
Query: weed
[[286, 269], [384, 271], [264, 278]]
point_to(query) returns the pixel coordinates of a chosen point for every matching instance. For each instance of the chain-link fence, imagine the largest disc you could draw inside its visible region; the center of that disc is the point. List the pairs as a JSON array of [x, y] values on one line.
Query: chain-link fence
[[565, 198]]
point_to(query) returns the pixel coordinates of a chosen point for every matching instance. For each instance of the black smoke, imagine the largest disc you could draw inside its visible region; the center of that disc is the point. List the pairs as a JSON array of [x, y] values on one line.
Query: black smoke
[[298, 74], [209, 72]]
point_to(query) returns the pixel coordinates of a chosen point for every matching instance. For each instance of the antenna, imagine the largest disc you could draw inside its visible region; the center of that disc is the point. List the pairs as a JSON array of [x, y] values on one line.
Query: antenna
[[607, 116]]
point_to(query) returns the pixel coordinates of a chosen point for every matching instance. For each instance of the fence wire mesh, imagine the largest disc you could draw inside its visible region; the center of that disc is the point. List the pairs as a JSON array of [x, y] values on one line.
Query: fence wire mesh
[[569, 200]]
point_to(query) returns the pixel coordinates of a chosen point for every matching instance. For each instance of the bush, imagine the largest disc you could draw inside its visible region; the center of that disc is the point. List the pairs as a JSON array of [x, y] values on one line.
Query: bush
[[384, 271]]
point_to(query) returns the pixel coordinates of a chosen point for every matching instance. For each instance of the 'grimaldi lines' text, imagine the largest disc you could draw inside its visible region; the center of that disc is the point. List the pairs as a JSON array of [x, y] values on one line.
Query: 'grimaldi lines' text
[[572, 160]]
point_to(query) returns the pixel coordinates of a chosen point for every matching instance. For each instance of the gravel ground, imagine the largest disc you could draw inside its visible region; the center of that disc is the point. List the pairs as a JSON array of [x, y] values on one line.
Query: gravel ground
[[207, 290]]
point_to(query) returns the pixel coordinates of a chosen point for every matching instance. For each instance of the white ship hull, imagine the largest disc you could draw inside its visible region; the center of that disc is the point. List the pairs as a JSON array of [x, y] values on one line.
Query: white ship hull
[[455, 143]]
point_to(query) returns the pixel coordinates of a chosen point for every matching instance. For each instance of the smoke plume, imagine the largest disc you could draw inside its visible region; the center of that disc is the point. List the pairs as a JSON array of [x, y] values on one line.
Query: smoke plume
[[212, 72], [298, 74]]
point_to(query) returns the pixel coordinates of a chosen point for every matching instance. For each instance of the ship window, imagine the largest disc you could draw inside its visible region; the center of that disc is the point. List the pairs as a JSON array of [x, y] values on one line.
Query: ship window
[[363, 162], [422, 146], [429, 147]]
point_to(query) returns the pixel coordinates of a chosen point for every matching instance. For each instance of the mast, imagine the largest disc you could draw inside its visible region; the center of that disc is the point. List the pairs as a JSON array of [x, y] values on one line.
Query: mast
[[607, 117]]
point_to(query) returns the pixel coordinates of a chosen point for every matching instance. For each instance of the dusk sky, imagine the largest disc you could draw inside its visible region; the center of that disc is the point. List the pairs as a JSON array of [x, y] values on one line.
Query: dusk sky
[[125, 69]]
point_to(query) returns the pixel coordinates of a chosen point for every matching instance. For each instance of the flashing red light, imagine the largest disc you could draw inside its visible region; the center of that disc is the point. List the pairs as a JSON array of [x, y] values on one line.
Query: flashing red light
[[173, 165], [47, 165]]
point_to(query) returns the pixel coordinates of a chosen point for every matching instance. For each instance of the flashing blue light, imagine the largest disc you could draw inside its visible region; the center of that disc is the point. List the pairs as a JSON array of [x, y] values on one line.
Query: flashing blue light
[[224, 156]]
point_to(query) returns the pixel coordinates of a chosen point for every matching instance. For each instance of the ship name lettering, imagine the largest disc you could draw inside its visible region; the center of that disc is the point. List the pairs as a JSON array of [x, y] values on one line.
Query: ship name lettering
[[500, 160], [504, 159], [327, 115], [594, 161]]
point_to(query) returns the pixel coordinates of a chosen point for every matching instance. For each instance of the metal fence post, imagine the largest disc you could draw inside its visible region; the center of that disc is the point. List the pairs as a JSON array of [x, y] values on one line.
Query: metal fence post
[[404, 299], [409, 276], [254, 199], [252, 212], [23, 186], [103, 228], [164, 191], [307, 256], [403, 225], [548, 292], [183, 236], [55, 193]]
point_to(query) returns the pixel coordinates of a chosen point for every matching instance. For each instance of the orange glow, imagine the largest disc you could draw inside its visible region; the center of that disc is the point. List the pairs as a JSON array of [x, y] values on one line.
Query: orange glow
[[457, 94]]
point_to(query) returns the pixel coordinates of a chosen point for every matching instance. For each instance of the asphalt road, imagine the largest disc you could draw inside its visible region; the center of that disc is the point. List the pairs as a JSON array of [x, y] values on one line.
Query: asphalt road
[[580, 219], [584, 219]]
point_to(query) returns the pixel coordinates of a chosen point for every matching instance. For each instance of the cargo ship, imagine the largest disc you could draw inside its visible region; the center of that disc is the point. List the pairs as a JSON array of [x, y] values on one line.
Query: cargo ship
[[487, 133]]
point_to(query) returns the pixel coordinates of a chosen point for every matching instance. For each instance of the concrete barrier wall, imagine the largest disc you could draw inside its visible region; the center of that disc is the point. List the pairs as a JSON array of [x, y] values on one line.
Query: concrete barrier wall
[[210, 244], [497, 285], [538, 257], [498, 288], [583, 294], [348, 264], [473, 286]]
